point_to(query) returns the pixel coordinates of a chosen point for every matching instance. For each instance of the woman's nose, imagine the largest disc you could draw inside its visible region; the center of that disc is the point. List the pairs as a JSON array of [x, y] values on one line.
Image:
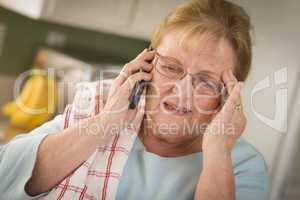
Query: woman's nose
[[184, 90]]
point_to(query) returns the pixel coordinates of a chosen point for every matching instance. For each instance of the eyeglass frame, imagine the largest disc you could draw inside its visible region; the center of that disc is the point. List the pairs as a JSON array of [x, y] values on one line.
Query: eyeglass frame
[[221, 86]]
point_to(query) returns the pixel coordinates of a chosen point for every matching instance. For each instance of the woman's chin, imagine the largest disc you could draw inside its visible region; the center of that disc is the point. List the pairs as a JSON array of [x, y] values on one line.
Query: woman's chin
[[175, 138]]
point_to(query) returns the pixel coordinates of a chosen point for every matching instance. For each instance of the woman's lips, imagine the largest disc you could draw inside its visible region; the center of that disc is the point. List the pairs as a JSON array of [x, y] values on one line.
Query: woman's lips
[[174, 109]]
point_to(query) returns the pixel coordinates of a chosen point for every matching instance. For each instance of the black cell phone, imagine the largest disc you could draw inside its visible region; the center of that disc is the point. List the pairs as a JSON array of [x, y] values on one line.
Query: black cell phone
[[138, 89]]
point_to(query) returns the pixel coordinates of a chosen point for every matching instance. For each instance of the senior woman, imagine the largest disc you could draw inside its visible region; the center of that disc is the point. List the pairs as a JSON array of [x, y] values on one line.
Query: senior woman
[[181, 142]]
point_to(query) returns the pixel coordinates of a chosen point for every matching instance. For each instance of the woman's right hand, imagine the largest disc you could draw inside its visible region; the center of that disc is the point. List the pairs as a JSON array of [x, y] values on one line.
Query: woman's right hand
[[116, 112]]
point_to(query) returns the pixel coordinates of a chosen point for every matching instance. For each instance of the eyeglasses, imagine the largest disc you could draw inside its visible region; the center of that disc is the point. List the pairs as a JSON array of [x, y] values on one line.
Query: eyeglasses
[[203, 84]]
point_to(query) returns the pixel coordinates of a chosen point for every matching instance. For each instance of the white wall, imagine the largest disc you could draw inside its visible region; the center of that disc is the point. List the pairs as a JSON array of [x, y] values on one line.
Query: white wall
[[277, 44]]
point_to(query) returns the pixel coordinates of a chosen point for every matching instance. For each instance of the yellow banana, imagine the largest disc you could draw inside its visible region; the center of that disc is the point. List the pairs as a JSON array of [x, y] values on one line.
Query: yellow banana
[[40, 106], [11, 107], [50, 105], [22, 116]]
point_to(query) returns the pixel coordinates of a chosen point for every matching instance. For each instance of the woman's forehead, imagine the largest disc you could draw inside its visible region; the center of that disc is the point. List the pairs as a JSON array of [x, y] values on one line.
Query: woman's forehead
[[198, 52]]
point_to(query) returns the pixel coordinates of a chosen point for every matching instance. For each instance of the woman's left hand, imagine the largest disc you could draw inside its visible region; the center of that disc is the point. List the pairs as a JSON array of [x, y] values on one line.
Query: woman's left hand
[[229, 123]]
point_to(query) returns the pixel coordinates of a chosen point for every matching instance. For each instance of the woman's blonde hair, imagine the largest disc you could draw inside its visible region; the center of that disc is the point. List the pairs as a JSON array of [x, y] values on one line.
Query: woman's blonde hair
[[221, 19]]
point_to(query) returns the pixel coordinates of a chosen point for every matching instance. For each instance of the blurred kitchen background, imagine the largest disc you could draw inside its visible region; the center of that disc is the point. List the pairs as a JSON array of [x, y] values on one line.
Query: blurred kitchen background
[[78, 39]]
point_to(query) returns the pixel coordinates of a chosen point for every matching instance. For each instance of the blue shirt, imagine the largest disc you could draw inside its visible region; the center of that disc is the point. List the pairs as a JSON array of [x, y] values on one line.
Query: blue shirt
[[145, 176], [149, 176]]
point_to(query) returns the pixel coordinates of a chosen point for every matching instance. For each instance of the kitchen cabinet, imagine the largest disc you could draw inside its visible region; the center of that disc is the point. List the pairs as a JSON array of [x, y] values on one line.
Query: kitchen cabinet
[[29, 8], [131, 18], [112, 16]]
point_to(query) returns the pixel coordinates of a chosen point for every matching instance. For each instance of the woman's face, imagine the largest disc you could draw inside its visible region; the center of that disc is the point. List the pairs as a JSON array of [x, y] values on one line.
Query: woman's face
[[178, 110]]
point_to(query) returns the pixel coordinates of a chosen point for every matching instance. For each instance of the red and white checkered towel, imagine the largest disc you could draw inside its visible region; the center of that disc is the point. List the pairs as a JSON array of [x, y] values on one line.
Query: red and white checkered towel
[[99, 176]]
